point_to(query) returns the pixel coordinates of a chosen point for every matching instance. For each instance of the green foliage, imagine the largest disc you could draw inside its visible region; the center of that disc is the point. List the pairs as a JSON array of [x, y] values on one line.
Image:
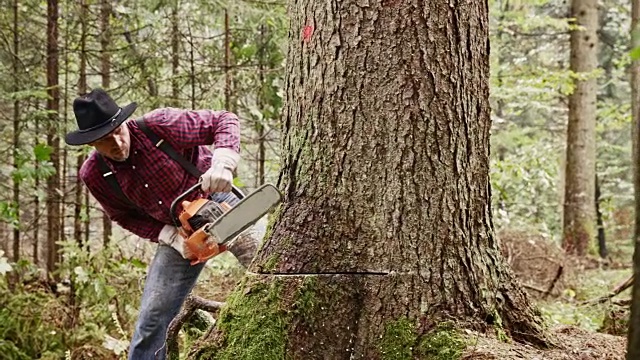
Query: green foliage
[[28, 324], [571, 309], [525, 181], [530, 81], [94, 315]]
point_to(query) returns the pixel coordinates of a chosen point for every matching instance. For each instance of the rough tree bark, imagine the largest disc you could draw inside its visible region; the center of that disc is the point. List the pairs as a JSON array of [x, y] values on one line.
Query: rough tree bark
[[579, 203], [386, 233], [633, 343]]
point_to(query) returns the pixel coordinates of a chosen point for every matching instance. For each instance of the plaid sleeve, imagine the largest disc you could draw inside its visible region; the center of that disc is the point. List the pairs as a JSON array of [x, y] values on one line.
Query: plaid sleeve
[[118, 211], [189, 128]]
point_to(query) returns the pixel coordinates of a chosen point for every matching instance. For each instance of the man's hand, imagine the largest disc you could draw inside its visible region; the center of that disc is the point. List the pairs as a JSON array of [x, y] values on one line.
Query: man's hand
[[219, 177], [170, 235]]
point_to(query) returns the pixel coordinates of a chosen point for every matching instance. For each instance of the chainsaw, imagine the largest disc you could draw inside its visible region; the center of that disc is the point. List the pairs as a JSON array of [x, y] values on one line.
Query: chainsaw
[[207, 226]]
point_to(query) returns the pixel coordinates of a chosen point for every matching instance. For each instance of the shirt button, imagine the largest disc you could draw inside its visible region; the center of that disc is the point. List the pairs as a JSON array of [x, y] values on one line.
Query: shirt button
[[160, 202], [146, 185], [133, 167]]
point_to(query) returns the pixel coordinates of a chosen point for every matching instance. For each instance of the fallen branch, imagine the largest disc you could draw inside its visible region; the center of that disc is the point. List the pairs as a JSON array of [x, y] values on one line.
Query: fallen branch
[[623, 302], [618, 289], [191, 304], [553, 282], [531, 287]]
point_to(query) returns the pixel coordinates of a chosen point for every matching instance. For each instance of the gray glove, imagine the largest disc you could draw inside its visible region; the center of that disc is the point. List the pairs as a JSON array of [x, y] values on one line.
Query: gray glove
[[170, 235], [219, 177]]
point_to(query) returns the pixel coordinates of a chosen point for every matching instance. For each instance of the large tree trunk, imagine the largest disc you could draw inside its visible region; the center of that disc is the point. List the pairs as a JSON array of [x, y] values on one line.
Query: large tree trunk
[[633, 344], [386, 229], [53, 104], [579, 203]]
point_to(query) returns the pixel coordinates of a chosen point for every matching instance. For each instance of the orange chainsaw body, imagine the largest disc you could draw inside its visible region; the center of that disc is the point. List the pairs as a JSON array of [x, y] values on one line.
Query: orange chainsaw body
[[197, 242]]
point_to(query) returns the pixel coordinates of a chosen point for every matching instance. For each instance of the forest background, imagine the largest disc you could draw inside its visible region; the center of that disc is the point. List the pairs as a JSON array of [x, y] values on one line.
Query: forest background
[[231, 55]]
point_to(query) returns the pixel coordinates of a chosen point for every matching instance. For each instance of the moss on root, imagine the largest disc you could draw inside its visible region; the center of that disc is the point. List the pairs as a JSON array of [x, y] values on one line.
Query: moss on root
[[254, 323], [398, 340], [402, 342], [442, 343], [262, 313]]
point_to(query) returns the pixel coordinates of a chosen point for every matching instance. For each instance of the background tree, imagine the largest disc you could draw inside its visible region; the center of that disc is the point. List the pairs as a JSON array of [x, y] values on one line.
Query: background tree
[[387, 222], [579, 201], [53, 138], [633, 346]]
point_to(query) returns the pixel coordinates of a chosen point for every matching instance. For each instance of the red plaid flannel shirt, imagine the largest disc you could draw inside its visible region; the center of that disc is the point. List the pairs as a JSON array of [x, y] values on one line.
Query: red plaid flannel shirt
[[149, 177]]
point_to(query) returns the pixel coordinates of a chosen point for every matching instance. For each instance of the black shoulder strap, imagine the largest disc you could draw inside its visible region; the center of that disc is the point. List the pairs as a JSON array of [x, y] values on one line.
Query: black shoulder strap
[[110, 178], [168, 149]]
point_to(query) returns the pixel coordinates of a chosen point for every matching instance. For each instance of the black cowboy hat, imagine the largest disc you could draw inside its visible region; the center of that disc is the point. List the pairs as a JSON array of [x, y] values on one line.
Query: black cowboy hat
[[97, 115]]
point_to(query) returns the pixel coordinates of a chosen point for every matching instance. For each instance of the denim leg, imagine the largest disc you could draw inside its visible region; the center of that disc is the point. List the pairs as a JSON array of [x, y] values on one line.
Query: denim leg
[[169, 281]]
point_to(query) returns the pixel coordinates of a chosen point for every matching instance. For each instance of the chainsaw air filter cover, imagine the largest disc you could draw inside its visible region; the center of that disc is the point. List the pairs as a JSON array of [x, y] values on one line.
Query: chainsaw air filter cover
[[208, 212]]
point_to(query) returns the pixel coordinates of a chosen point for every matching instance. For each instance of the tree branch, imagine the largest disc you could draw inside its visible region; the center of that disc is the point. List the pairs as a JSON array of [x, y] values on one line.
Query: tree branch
[[192, 304], [620, 288]]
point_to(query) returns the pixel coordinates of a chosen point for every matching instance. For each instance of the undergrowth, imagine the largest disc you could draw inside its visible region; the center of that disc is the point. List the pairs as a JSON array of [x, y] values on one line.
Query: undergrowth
[[87, 315], [570, 307], [92, 312]]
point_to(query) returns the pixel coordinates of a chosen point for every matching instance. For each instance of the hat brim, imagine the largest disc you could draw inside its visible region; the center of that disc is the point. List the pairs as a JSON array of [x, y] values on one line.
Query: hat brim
[[80, 137]]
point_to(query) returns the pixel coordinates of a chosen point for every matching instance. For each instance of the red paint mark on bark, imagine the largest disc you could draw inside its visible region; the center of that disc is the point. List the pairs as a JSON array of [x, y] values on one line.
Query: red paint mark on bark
[[306, 33]]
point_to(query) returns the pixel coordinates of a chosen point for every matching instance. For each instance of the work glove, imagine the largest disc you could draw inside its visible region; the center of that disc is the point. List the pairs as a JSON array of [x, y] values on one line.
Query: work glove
[[170, 235], [219, 177]]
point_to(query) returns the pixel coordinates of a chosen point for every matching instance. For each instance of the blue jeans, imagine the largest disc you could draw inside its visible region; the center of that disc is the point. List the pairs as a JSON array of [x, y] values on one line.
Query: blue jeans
[[169, 280]]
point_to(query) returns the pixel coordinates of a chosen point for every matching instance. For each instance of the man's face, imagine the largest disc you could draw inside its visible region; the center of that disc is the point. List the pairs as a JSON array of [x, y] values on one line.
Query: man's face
[[116, 145]]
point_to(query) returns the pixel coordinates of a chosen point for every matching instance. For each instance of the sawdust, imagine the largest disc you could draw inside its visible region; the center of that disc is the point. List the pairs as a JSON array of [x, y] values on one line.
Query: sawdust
[[573, 344]]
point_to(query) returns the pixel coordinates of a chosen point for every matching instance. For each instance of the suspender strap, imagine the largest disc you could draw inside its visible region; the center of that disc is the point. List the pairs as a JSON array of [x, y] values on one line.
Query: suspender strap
[[110, 178], [168, 149]]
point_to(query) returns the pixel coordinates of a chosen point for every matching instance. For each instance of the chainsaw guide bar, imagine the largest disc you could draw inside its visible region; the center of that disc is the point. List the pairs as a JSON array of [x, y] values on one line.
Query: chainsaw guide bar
[[244, 214], [207, 225]]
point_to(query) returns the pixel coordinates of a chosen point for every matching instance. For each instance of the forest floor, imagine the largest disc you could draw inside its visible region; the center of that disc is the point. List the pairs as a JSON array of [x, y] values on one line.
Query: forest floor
[[565, 291], [572, 343], [575, 297]]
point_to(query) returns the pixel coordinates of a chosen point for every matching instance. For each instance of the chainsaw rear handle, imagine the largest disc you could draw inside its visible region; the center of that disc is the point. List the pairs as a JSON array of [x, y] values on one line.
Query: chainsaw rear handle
[[178, 200]]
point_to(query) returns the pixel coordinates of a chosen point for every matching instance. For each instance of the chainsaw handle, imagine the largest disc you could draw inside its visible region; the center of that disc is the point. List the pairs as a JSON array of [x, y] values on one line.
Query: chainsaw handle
[[178, 200]]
